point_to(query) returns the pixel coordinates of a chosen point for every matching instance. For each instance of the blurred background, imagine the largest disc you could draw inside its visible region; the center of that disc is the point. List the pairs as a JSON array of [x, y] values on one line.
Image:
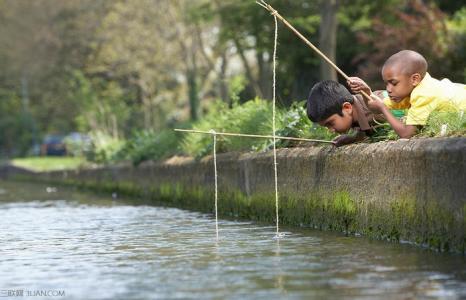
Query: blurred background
[[109, 79]]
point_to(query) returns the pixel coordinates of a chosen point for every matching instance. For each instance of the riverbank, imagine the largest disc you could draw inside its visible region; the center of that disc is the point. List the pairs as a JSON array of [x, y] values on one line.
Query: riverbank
[[406, 190]]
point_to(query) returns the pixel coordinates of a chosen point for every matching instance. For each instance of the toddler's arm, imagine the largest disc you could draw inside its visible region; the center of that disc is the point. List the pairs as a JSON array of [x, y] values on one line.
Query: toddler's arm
[[403, 131]]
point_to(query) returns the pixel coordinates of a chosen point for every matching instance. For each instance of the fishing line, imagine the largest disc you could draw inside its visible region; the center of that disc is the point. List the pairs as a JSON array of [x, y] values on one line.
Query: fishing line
[[214, 135]]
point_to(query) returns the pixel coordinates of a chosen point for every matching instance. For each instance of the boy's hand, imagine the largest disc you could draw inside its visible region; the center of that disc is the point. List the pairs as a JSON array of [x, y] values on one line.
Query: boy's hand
[[357, 85], [343, 140]]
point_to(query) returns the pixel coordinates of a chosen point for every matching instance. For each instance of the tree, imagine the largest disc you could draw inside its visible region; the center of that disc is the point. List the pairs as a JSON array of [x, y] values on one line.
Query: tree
[[417, 26], [43, 41], [328, 37], [250, 30]]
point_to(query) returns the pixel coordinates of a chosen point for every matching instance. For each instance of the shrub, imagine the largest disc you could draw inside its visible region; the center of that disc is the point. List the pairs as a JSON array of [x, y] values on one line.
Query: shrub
[[103, 147], [252, 117], [149, 145], [297, 124]]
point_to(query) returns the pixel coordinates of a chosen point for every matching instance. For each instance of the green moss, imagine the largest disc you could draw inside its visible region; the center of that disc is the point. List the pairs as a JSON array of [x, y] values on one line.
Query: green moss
[[235, 204], [425, 223], [343, 208], [464, 215]]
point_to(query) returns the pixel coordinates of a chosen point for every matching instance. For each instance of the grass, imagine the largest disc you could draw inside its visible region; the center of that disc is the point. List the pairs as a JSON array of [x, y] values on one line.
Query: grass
[[49, 163], [454, 124]]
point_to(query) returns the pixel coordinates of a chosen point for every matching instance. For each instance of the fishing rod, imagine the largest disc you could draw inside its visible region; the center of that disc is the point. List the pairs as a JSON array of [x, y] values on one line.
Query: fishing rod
[[275, 13]]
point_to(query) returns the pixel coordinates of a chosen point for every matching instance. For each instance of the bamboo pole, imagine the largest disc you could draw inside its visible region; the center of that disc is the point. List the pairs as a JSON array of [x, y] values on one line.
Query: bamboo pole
[[253, 136], [307, 42]]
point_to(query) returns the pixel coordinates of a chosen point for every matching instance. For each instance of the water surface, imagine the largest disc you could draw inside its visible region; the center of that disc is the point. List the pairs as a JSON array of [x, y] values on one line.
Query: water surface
[[91, 247]]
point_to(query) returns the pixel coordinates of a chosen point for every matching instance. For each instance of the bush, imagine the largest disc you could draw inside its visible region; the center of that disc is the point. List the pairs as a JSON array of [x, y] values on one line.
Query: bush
[[252, 117], [103, 147], [297, 124], [150, 145], [77, 144]]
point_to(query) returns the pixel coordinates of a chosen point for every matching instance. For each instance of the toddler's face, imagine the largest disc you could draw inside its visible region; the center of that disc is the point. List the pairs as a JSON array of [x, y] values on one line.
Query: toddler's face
[[398, 84], [337, 123]]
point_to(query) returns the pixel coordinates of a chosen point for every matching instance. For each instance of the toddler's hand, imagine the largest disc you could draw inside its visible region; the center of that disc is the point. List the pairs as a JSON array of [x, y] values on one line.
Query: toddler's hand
[[376, 104], [357, 85]]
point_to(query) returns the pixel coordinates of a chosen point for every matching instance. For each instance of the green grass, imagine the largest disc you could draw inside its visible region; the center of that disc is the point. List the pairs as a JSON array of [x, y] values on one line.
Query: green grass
[[454, 122], [49, 163]]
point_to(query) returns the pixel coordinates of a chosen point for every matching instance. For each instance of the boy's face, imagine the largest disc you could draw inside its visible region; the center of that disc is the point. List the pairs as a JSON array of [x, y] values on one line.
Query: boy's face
[[337, 123], [398, 84]]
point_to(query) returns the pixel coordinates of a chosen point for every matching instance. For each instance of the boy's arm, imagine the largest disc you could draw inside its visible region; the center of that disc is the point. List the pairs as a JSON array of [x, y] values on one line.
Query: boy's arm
[[403, 131]]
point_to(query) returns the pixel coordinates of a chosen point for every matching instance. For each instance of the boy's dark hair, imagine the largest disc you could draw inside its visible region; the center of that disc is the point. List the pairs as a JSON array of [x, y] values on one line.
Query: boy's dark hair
[[325, 99]]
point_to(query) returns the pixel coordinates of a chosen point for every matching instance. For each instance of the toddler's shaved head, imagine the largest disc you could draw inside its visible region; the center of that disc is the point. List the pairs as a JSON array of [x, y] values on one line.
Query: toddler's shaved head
[[408, 61]]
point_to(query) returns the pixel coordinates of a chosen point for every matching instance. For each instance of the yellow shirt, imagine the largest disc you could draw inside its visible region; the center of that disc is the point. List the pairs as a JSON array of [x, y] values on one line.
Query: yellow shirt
[[428, 96]]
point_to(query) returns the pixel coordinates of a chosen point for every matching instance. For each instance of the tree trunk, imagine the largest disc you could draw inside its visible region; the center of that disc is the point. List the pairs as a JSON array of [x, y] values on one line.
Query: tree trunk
[[328, 37], [223, 88], [247, 68], [193, 96], [265, 78]]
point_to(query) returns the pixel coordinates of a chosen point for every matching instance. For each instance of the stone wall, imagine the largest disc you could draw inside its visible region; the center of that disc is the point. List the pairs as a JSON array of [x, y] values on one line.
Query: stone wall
[[412, 190]]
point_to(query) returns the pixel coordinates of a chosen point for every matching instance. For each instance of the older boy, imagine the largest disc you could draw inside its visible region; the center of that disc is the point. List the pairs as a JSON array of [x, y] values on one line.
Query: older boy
[[410, 86], [331, 105]]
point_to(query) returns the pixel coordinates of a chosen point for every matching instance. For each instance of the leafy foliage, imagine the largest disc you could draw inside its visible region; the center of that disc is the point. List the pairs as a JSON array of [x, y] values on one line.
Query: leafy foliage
[[149, 145], [252, 117], [103, 148], [418, 25], [297, 124], [15, 126], [116, 67]]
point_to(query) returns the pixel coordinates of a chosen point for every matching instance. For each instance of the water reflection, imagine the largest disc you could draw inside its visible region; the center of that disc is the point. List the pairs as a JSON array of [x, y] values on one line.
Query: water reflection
[[99, 248]]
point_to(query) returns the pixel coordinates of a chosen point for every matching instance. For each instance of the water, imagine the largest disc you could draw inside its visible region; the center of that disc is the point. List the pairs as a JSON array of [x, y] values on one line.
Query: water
[[102, 248]]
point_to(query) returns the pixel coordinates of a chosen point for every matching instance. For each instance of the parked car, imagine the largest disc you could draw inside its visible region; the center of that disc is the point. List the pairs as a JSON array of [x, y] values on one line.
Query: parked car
[[53, 145]]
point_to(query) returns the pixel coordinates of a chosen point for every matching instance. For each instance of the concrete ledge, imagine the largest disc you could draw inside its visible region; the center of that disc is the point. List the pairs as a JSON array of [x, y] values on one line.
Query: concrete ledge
[[411, 190]]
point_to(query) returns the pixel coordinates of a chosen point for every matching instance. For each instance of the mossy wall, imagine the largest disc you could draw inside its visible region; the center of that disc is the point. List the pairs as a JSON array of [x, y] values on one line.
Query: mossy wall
[[412, 190]]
